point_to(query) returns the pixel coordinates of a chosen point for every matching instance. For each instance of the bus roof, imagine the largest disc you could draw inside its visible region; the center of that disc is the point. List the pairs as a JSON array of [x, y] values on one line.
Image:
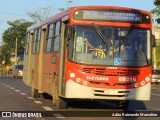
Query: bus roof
[[56, 17], [110, 7], [68, 11], [33, 26]]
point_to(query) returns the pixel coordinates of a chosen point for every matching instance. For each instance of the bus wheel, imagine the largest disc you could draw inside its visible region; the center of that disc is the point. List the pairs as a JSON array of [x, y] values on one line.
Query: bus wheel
[[35, 93], [123, 104], [59, 102]]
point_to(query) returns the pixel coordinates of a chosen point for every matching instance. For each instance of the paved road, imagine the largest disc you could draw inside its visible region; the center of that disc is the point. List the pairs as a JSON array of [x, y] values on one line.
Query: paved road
[[16, 96]]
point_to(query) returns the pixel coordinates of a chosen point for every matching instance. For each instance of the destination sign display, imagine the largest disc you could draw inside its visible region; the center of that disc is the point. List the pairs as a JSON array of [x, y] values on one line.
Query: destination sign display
[[108, 15]]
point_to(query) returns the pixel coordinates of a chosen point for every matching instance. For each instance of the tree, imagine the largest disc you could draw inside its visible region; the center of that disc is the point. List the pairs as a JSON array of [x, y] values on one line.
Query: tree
[[156, 11], [17, 28], [61, 9], [40, 14], [158, 55], [44, 13], [5, 54]]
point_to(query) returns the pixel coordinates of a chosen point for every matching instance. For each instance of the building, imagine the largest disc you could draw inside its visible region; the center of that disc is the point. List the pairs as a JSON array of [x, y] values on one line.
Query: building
[[157, 34]]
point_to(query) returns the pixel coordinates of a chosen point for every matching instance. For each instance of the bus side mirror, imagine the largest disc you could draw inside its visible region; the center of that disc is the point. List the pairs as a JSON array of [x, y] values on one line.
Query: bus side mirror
[[153, 41]]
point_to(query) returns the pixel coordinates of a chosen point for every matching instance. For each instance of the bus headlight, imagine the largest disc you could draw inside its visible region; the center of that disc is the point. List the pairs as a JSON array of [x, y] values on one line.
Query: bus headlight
[[20, 72], [72, 75], [136, 85], [147, 79], [142, 82]]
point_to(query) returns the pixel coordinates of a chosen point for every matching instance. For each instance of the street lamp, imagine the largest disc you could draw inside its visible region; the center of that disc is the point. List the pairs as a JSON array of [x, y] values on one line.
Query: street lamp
[[68, 2]]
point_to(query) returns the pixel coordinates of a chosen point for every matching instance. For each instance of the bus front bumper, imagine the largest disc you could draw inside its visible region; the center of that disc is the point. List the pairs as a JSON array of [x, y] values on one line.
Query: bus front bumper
[[75, 90]]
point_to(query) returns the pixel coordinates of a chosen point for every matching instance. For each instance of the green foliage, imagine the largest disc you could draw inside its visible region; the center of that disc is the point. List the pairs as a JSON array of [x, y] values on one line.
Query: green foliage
[[61, 9], [157, 2], [156, 11], [17, 28], [5, 54], [158, 55]]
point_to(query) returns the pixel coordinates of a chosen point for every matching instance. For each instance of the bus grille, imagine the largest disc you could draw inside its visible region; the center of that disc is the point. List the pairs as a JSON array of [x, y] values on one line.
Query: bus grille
[[103, 71], [103, 93], [99, 83]]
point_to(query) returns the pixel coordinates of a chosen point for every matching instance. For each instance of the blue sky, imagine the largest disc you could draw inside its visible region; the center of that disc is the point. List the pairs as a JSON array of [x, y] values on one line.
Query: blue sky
[[11, 10]]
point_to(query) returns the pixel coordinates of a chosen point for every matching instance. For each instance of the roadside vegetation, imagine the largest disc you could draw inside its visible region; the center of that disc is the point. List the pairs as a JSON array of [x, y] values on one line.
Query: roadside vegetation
[[158, 55]]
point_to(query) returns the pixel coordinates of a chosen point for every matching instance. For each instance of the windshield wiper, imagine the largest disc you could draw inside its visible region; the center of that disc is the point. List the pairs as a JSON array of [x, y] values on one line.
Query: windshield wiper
[[124, 39], [99, 32], [129, 31]]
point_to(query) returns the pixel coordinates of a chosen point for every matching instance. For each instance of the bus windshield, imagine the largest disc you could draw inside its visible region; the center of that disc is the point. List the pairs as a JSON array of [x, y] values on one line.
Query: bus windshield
[[121, 46]]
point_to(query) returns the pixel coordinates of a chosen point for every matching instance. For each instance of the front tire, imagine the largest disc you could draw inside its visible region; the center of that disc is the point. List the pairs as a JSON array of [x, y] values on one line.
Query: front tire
[[123, 104], [61, 103], [35, 93]]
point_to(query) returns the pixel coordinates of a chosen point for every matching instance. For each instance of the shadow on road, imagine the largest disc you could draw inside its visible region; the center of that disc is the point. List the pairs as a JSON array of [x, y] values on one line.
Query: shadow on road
[[98, 104], [78, 104]]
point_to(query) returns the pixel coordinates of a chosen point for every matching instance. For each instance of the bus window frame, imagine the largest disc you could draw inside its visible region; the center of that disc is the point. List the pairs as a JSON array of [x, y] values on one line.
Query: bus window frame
[[57, 35], [27, 43], [53, 37], [36, 40], [48, 37]]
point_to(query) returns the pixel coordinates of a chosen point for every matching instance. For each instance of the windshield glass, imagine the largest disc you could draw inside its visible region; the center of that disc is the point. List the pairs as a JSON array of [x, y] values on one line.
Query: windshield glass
[[121, 47]]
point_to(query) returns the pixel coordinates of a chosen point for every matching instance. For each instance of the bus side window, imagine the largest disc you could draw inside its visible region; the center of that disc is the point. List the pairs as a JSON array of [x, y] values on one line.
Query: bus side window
[[27, 43], [56, 36], [34, 42], [38, 40], [49, 37]]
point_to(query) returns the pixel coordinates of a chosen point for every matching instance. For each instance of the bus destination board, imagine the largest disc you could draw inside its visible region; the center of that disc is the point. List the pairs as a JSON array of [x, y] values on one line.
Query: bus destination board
[[108, 15]]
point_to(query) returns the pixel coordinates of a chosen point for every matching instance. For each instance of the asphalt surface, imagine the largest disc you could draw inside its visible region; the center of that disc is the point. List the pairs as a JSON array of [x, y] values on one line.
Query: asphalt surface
[[15, 96]]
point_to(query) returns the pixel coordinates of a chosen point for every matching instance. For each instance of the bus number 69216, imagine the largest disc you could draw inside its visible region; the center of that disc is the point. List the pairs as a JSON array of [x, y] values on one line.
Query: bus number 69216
[[127, 79]]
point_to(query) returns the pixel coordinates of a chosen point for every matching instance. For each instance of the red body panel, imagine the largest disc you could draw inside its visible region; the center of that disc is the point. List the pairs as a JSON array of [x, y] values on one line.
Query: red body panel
[[49, 70], [108, 77], [36, 64]]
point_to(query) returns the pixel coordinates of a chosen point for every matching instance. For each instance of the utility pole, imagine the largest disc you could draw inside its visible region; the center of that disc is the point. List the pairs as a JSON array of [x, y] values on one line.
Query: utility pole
[[154, 49], [154, 58], [16, 51], [68, 2], [67, 5], [16, 47]]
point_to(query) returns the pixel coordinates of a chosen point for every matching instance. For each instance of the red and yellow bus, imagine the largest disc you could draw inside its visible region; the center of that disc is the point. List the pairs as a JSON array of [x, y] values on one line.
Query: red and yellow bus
[[91, 52]]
